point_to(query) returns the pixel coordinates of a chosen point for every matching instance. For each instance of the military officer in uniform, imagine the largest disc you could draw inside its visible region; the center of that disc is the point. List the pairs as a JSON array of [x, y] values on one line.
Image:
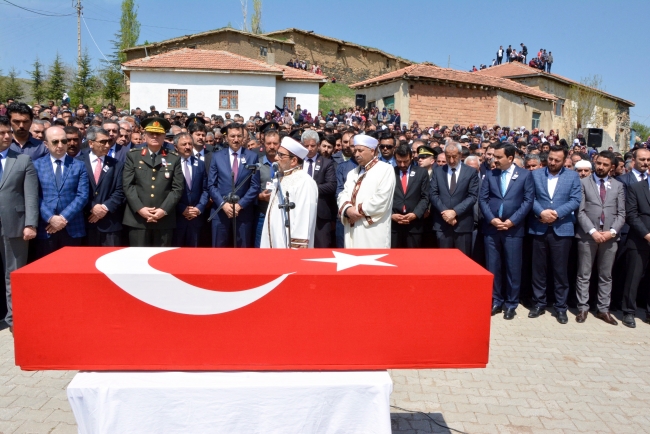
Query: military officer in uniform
[[153, 185]]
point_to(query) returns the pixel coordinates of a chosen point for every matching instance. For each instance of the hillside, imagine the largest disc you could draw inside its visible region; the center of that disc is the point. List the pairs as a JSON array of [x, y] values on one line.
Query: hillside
[[335, 96]]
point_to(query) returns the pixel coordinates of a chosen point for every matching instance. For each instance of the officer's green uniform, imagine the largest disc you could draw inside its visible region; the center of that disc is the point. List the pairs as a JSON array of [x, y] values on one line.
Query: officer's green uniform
[[151, 182]]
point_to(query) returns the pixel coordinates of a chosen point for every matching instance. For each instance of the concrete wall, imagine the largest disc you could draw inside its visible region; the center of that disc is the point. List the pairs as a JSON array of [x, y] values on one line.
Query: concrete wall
[[256, 92], [306, 94], [516, 111], [398, 89], [450, 104]]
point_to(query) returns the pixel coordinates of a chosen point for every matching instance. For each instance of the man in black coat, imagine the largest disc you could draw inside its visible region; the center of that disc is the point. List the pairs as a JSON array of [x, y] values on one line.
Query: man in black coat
[[410, 201], [454, 191], [106, 201]]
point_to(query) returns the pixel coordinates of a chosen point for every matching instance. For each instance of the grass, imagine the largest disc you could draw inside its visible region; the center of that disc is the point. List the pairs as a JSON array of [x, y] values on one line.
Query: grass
[[335, 96]]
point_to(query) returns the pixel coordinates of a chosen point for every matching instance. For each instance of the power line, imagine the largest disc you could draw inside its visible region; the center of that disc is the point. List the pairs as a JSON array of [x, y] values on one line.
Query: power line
[[91, 37], [44, 13]]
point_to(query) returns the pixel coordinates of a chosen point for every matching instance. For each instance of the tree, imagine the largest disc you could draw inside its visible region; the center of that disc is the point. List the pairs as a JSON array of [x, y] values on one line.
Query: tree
[[585, 106], [12, 87], [84, 81], [56, 83], [244, 12], [112, 84], [256, 19], [642, 130], [129, 32], [38, 82]]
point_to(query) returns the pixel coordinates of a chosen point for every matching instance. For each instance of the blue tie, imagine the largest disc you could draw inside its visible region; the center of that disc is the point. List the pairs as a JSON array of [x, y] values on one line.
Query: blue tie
[[503, 191], [272, 171], [58, 174]]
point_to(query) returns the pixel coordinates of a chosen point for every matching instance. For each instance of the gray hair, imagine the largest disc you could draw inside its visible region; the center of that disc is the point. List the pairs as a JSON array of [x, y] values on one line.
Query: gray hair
[[520, 160], [209, 134], [473, 158], [535, 157], [458, 146], [310, 135], [92, 132], [179, 136], [38, 122], [120, 123]]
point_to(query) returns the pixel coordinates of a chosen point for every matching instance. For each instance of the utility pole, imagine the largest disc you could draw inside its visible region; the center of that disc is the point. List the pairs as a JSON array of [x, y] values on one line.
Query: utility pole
[[78, 33]]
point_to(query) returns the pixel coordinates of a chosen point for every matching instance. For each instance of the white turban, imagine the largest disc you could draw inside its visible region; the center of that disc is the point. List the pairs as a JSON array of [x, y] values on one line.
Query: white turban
[[364, 140], [583, 164], [294, 147]]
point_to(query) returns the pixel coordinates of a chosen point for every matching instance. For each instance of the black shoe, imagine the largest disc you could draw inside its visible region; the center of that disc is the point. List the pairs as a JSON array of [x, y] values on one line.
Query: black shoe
[[509, 313], [562, 318], [535, 312], [628, 320], [496, 309]]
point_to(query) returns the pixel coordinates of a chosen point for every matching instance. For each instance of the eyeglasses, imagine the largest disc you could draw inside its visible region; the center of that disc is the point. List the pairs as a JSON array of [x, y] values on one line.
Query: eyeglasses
[[103, 142], [281, 155], [56, 142], [386, 146]]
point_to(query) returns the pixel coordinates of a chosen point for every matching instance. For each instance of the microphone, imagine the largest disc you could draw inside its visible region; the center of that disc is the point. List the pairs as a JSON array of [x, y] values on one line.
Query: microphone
[[253, 167], [276, 169]]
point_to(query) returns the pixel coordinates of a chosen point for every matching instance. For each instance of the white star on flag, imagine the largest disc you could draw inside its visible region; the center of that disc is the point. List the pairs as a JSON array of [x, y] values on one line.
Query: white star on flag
[[344, 261]]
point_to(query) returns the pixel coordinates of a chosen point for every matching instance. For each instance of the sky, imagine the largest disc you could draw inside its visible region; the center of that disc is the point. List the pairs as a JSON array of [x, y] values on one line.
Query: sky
[[587, 37]]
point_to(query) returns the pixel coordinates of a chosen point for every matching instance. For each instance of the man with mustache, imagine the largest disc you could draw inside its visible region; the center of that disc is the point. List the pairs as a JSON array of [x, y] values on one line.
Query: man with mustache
[[21, 117]]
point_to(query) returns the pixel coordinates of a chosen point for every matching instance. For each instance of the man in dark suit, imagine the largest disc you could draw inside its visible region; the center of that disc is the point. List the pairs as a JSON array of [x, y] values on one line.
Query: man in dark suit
[[228, 166], [63, 193], [18, 208], [153, 185], [323, 172], [454, 191], [505, 200], [190, 211], [637, 208], [116, 150], [105, 208], [410, 201], [600, 219], [557, 198], [342, 171]]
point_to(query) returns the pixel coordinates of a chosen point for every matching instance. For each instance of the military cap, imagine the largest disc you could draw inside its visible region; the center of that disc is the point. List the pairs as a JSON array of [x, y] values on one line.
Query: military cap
[[425, 150], [295, 134], [194, 120], [155, 125], [235, 125], [272, 125]]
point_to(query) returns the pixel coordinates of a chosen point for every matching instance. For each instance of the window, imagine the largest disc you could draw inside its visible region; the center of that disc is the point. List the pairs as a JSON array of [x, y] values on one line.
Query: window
[[177, 98], [229, 99], [536, 117], [263, 51], [605, 118], [372, 104], [290, 103], [389, 102], [559, 107]]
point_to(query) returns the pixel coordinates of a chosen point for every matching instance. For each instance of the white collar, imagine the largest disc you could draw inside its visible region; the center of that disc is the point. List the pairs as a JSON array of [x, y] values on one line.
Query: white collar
[[597, 179]]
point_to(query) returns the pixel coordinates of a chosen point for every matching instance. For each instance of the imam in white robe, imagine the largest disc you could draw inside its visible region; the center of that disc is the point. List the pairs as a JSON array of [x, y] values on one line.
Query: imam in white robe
[[303, 191], [374, 199]]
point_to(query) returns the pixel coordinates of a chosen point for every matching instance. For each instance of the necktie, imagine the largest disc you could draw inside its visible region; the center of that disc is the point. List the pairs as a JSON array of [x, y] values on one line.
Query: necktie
[[1, 171], [58, 174], [98, 169], [503, 191], [452, 184], [153, 158], [603, 193], [272, 171], [310, 171], [111, 153], [404, 186], [187, 174], [235, 165]]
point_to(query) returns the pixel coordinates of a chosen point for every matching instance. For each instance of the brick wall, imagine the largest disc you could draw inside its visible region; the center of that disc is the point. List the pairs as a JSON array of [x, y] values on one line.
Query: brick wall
[[449, 105]]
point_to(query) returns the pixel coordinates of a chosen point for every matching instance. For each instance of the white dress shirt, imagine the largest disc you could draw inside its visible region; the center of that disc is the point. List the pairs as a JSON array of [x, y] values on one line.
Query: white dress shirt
[[552, 182], [4, 158], [94, 159], [637, 174], [305, 165], [200, 154], [53, 160], [449, 172], [239, 155], [188, 162]]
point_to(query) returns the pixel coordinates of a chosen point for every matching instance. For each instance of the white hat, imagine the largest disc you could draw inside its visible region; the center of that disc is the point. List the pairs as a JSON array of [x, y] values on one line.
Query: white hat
[[294, 147], [364, 140], [583, 164]]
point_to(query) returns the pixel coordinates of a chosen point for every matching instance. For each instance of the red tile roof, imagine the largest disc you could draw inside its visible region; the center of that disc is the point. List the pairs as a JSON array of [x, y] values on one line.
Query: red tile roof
[[209, 60], [428, 71], [518, 69]]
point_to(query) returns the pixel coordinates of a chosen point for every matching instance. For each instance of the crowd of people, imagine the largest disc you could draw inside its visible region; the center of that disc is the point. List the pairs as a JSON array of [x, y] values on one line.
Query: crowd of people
[[539, 213], [301, 64], [543, 61]]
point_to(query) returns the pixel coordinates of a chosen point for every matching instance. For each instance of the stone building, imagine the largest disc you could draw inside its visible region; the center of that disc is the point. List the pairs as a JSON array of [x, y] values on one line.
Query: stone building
[[612, 113], [217, 82], [346, 61], [429, 94]]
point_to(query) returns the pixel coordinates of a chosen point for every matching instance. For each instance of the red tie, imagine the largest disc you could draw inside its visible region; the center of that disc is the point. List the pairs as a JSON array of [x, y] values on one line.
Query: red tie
[[235, 166], [404, 185]]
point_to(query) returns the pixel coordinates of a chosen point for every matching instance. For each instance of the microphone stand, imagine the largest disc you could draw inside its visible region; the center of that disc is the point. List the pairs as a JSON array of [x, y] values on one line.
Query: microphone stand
[[286, 206]]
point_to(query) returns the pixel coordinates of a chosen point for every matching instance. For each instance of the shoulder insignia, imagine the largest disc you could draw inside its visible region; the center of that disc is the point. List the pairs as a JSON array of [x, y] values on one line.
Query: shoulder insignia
[[164, 153], [173, 153], [134, 149], [144, 152]]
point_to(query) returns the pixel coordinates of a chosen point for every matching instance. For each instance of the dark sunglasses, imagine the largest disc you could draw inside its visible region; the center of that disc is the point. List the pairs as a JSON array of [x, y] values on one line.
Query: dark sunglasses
[[103, 142], [386, 146], [56, 142]]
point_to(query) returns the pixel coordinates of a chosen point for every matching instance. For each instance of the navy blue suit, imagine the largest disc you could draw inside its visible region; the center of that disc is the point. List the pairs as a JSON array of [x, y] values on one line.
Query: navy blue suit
[[220, 184], [553, 240], [67, 200], [108, 192], [188, 232], [342, 171], [505, 246]]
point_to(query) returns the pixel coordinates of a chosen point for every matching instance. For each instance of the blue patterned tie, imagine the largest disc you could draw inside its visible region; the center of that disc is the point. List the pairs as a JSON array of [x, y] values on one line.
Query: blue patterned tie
[[503, 191], [58, 174]]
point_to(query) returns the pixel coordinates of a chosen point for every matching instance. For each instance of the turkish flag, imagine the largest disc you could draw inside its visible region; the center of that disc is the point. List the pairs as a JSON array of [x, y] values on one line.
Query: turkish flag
[[251, 309]]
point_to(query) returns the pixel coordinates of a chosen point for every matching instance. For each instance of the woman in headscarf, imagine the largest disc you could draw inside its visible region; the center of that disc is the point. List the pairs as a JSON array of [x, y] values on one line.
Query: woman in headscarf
[[287, 119]]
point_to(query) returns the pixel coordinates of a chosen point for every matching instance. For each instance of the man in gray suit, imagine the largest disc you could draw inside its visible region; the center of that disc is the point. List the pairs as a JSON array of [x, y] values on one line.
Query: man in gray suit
[[600, 218], [18, 208]]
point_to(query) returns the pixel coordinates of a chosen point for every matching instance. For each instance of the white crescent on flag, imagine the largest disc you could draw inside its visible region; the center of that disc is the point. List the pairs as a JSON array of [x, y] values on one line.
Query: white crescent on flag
[[129, 269]]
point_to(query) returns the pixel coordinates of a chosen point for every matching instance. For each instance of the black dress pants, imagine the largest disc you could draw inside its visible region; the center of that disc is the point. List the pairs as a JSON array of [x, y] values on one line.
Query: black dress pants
[[556, 248]]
